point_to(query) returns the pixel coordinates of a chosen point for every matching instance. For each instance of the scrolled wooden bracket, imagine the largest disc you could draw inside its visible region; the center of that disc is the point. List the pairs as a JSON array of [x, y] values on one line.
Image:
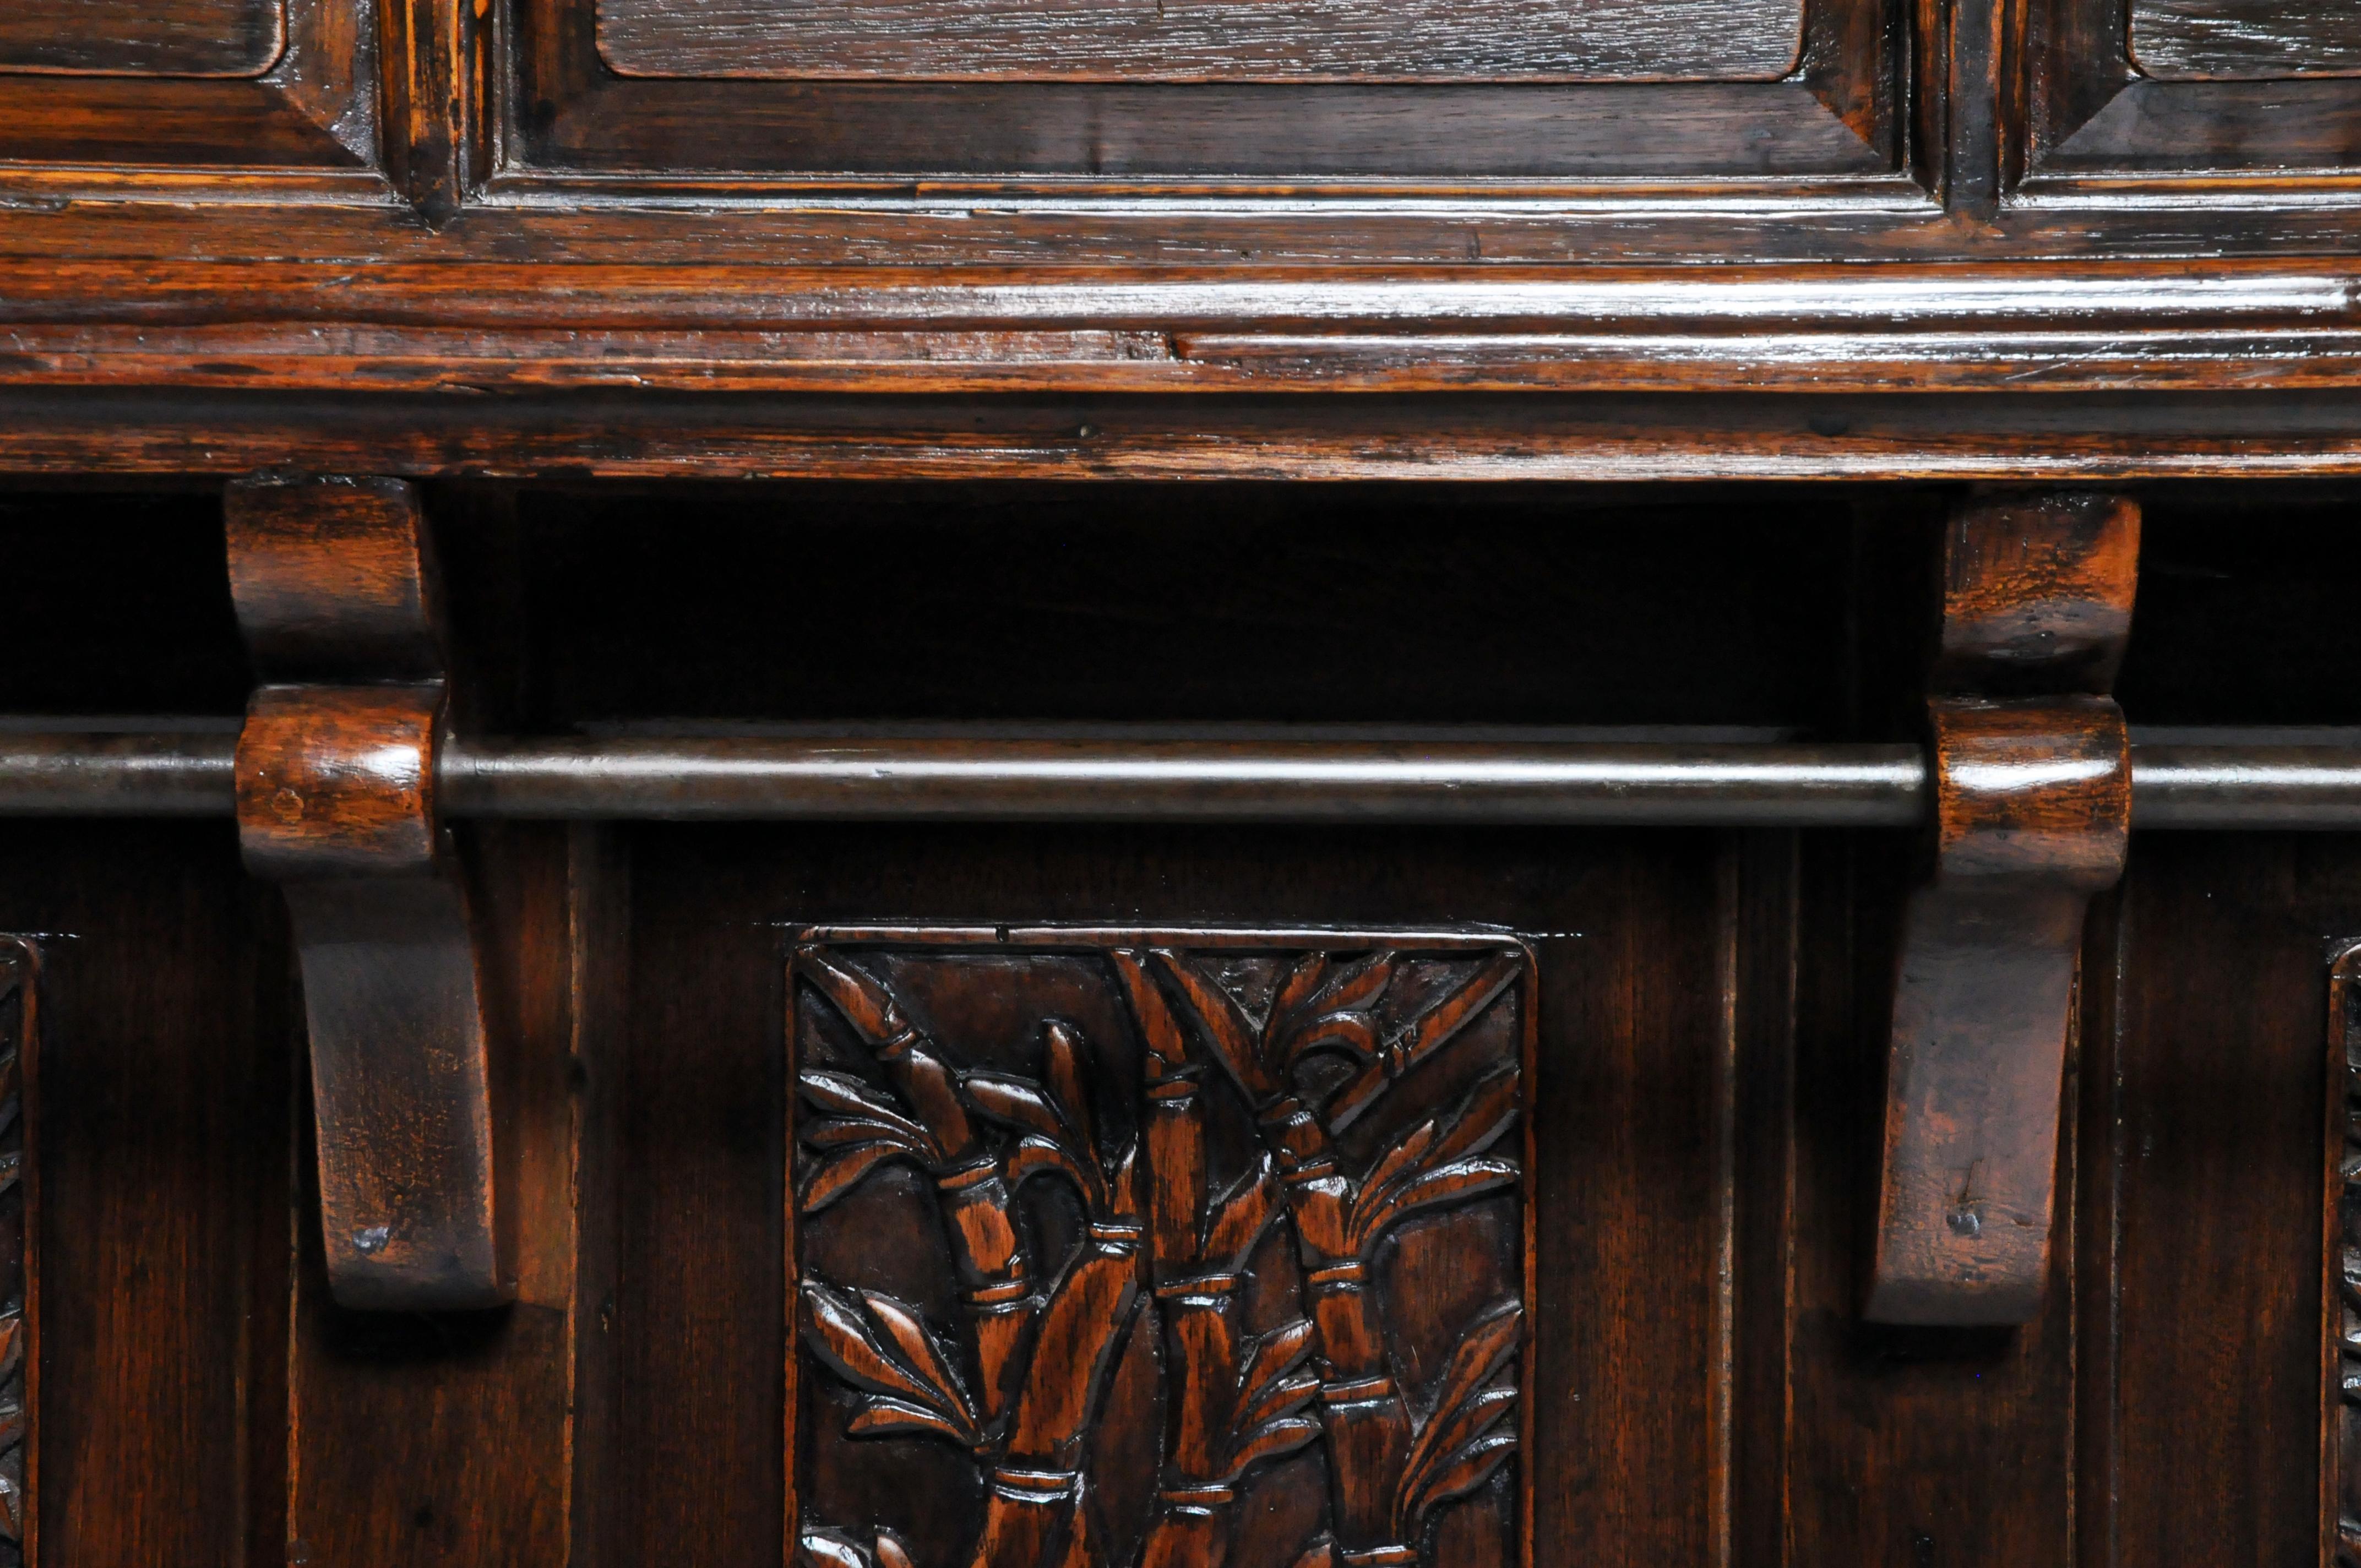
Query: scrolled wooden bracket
[[2032, 780], [335, 803]]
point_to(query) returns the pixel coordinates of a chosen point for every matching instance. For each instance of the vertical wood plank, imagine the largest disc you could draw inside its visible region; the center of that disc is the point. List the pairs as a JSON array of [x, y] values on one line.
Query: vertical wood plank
[[1634, 1214], [2098, 1268], [1961, 89], [2216, 1336], [163, 1179], [431, 91], [596, 925], [1762, 1210], [1920, 1446], [418, 1440], [699, 1318]]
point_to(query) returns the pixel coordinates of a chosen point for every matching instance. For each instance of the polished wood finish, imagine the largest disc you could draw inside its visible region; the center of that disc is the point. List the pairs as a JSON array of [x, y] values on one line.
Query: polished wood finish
[[2243, 40], [1614, 366], [339, 781], [1354, 1274], [19, 1254], [1710, 1013], [181, 38], [2032, 817], [335, 803], [2341, 1288], [1593, 40], [211, 90]]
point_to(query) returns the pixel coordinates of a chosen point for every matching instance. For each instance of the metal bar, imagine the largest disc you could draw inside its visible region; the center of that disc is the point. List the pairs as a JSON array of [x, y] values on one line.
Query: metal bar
[[980, 776], [166, 773], [1491, 782]]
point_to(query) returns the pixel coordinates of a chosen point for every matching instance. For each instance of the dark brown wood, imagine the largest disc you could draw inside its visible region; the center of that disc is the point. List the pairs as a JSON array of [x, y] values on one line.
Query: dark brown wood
[[1593, 40], [162, 1214], [2033, 814], [122, 93], [182, 37], [2230, 39], [417, 1439], [20, 1269], [2097, 438], [1355, 96], [2341, 1287], [1356, 1274], [335, 803]]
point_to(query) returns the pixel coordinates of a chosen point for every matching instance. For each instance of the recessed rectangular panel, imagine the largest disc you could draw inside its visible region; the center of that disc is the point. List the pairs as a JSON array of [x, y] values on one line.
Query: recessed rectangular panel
[[1204, 40], [141, 38], [1195, 1249], [2245, 39]]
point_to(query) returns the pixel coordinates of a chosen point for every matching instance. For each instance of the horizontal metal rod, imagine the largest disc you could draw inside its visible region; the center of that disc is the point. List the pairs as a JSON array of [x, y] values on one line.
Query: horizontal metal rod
[[1120, 780], [977, 776]]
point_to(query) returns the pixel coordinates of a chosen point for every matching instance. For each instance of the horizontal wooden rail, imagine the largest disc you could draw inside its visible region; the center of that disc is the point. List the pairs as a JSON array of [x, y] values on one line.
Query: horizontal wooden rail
[[2185, 783]]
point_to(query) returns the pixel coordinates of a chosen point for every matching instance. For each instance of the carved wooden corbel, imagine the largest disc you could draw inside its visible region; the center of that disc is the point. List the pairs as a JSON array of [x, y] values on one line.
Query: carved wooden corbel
[[2033, 813], [335, 802]]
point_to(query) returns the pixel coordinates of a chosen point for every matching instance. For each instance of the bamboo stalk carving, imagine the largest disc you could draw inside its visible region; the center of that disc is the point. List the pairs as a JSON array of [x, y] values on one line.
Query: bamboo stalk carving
[[1165, 1247]]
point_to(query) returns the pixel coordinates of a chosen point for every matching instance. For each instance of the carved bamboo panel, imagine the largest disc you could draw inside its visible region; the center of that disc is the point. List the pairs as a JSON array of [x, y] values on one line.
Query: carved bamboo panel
[[16, 1250], [2341, 1500], [1170, 1248]]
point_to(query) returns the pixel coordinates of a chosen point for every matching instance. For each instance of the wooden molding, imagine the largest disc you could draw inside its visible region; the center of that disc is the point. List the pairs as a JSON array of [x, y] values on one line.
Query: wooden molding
[[2033, 808], [335, 803]]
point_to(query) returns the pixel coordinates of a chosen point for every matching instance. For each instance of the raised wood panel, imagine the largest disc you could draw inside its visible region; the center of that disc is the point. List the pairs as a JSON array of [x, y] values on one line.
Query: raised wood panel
[[2162, 91], [112, 93], [1205, 40], [2268, 39], [142, 38], [840, 93]]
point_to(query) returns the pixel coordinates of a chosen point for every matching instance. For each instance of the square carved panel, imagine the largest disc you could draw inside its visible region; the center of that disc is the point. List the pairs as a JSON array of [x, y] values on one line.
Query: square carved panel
[[1185, 1249], [1205, 40]]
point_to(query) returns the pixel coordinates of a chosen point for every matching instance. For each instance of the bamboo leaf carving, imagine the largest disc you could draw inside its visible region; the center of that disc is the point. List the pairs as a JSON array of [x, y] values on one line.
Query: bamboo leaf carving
[[836, 1549], [924, 1118], [1438, 1162], [1458, 1445], [1433, 1028], [877, 1344]]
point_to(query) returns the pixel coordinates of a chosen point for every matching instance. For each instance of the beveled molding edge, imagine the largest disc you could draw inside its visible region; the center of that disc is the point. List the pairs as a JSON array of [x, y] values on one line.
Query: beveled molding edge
[[1591, 438], [389, 327]]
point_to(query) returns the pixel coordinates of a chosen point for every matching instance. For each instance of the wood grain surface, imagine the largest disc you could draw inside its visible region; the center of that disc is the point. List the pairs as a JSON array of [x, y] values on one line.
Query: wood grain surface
[[2245, 39], [152, 37], [1203, 41], [1711, 1014]]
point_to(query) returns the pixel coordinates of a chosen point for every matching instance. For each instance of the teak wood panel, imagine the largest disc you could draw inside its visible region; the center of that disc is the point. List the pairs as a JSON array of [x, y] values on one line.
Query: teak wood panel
[[114, 91], [2143, 95], [142, 38], [1205, 40], [1814, 98], [2261, 39]]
